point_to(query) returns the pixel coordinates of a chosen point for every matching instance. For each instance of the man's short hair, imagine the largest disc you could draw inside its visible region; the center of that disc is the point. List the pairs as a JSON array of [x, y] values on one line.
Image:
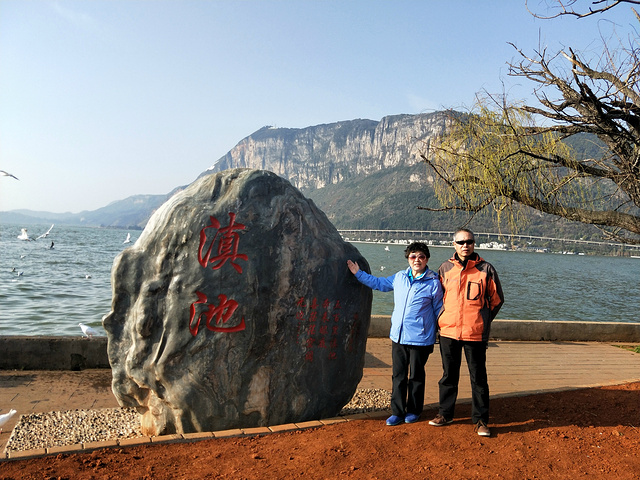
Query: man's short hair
[[463, 230]]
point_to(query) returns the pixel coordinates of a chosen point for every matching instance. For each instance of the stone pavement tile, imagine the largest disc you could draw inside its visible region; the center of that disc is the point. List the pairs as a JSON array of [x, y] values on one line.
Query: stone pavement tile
[[517, 367], [283, 428], [24, 454], [65, 449], [97, 445], [256, 431], [170, 438], [331, 421], [233, 432], [130, 442], [198, 436], [309, 424], [7, 394], [383, 372]]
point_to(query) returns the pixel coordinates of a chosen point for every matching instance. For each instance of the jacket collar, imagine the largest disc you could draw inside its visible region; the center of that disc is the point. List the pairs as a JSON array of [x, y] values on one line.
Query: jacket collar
[[474, 259], [427, 274]]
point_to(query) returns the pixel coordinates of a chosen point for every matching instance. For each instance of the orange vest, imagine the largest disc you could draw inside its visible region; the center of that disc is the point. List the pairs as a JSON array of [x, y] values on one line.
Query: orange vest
[[472, 298]]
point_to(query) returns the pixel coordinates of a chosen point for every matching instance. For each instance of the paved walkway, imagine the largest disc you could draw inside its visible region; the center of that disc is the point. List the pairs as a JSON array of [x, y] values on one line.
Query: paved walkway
[[515, 368]]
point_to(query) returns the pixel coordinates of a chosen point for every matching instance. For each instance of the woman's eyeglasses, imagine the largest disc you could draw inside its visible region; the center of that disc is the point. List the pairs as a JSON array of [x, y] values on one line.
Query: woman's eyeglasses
[[465, 242], [419, 257]]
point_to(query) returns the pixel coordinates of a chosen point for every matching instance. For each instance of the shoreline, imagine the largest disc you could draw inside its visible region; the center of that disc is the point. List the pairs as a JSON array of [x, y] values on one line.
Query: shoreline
[[79, 353]]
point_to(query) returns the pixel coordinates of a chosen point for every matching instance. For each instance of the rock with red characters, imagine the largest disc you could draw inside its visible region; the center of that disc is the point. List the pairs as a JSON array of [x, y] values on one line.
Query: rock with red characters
[[235, 309]]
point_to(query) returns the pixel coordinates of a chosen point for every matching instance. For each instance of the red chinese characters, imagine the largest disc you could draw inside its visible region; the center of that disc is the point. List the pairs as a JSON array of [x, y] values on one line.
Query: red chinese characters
[[318, 327], [220, 313], [227, 238], [217, 317]]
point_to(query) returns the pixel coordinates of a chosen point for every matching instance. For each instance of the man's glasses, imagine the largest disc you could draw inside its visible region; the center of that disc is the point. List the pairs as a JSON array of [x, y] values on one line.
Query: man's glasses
[[419, 257], [465, 242]]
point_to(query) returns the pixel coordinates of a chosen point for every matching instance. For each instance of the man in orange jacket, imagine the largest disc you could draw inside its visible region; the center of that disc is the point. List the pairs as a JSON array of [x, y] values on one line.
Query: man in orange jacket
[[472, 298]]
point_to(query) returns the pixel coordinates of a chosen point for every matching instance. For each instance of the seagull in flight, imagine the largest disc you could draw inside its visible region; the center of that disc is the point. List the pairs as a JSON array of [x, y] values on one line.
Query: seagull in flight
[[87, 330], [128, 239], [46, 234], [7, 174], [24, 235], [4, 418]]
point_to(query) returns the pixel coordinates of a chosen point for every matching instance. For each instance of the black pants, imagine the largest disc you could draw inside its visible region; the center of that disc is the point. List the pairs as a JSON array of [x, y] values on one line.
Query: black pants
[[476, 356], [408, 376]]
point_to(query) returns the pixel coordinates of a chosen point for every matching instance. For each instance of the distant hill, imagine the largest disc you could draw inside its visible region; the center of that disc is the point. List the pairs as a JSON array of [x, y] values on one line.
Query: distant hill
[[130, 213], [362, 173]]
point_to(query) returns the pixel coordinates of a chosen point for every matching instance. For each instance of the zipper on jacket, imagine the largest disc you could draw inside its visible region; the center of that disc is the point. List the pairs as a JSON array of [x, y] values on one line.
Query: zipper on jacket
[[406, 302]]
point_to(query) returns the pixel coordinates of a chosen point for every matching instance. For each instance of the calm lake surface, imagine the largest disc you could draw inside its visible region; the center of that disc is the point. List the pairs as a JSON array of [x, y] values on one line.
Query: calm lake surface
[[60, 287]]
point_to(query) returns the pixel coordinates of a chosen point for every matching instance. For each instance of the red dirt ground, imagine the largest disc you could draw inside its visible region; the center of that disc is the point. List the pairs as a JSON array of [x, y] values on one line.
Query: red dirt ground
[[584, 433]]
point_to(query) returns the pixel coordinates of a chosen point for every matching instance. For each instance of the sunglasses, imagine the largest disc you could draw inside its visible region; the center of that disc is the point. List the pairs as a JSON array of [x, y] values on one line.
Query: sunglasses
[[419, 257], [465, 242]]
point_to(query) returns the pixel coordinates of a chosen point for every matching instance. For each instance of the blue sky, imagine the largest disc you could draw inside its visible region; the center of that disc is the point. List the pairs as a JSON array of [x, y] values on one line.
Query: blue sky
[[101, 100]]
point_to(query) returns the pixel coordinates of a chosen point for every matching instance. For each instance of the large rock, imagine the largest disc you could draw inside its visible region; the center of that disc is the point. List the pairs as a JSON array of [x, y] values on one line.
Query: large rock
[[235, 309]]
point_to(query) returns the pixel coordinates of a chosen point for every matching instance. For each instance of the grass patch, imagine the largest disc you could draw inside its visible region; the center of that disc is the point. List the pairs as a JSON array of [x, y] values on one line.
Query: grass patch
[[631, 348]]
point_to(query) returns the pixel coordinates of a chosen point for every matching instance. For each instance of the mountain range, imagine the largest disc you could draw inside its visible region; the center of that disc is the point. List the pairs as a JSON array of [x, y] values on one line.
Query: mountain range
[[363, 174]]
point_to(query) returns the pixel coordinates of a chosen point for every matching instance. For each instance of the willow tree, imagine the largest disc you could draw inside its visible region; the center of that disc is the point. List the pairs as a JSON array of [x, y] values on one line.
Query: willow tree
[[504, 156]]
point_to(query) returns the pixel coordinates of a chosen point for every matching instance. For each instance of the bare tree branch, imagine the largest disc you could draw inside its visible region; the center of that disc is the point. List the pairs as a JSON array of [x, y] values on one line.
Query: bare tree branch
[[566, 8], [509, 158]]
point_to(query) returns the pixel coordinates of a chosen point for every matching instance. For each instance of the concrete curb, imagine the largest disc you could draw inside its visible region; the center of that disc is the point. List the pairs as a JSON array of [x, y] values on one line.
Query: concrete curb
[[53, 353], [554, 331], [541, 330]]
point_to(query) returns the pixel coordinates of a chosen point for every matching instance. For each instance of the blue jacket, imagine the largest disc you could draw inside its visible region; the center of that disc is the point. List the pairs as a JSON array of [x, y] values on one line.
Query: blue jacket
[[416, 306]]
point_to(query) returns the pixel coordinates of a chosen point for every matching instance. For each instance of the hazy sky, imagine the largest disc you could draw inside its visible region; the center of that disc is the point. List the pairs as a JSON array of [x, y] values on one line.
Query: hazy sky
[[100, 100]]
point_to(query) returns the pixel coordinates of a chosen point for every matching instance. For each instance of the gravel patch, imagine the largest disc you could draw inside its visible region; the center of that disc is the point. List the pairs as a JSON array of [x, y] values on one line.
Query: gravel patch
[[71, 427], [367, 400]]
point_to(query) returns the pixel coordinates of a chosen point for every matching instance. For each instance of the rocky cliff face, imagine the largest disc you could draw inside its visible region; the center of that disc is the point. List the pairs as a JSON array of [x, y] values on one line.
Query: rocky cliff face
[[315, 157]]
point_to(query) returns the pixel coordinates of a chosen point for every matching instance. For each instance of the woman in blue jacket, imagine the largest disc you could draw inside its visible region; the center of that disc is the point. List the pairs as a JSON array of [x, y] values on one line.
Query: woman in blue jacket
[[417, 295]]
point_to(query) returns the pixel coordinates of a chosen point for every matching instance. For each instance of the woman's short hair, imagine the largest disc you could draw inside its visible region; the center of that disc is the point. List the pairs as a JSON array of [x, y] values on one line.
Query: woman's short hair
[[417, 247]]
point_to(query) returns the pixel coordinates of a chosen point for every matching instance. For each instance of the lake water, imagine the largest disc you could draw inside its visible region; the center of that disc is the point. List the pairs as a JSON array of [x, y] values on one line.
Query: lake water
[[538, 286], [53, 294], [60, 287]]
